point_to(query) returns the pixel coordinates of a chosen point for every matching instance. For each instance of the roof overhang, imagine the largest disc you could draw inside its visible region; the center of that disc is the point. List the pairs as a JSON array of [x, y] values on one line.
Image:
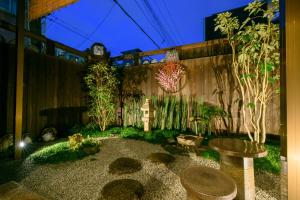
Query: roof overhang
[[39, 8]]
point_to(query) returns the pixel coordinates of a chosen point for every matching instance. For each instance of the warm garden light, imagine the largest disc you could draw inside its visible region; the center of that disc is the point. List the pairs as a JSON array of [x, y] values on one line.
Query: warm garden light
[[22, 144], [196, 115]]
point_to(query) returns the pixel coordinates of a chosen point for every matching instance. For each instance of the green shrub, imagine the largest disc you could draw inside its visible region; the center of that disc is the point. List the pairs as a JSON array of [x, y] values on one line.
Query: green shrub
[[76, 148], [154, 137], [210, 154], [59, 152], [90, 146], [114, 131], [131, 132], [90, 142], [101, 83], [270, 163], [75, 141]]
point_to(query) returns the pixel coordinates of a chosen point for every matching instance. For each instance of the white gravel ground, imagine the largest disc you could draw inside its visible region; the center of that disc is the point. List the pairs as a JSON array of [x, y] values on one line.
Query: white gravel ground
[[84, 179]]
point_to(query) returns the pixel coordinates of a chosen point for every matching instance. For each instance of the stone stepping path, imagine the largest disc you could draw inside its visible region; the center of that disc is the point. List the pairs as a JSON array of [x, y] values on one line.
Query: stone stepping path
[[14, 191], [123, 189]]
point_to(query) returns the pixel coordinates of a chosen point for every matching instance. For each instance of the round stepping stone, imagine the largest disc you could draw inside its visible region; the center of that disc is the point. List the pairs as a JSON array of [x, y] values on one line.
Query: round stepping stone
[[125, 166], [207, 183], [161, 158], [123, 189]]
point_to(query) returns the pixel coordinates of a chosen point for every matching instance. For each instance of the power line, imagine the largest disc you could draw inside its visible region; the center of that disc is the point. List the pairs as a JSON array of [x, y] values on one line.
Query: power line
[[159, 23], [127, 14], [157, 29], [173, 21], [68, 24], [168, 26], [98, 26], [70, 29], [48, 26]]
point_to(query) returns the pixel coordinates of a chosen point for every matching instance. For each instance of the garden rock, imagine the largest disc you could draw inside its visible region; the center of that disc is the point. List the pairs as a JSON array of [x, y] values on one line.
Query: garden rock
[[124, 165], [5, 142], [27, 139], [49, 134]]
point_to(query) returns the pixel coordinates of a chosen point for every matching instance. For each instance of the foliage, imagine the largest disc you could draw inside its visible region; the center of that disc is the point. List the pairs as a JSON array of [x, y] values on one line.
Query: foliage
[[131, 132], [169, 75], [255, 62], [132, 113], [225, 92], [71, 150], [210, 154], [129, 92], [172, 113], [155, 136], [130, 79], [59, 152], [270, 163], [75, 141], [206, 115], [93, 131], [90, 142], [101, 83]]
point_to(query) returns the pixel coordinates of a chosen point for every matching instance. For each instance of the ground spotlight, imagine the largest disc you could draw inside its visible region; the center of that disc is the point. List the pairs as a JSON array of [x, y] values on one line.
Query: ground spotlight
[[22, 144]]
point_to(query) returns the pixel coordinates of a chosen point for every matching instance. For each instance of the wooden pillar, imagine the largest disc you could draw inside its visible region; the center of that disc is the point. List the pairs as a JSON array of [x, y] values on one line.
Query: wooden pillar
[[19, 77], [293, 96], [283, 131]]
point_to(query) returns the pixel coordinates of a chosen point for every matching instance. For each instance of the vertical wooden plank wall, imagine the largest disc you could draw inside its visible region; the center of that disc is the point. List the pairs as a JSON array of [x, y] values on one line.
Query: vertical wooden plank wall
[[55, 95], [201, 83], [293, 96], [53, 92]]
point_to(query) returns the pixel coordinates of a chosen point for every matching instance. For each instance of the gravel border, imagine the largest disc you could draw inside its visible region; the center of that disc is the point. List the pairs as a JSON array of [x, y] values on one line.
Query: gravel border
[[84, 179]]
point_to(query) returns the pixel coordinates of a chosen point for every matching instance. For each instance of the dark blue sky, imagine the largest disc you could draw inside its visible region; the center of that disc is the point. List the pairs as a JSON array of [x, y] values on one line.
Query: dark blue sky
[[168, 22]]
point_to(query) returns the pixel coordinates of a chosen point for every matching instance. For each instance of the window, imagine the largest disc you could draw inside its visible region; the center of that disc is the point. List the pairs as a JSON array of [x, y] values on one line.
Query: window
[[9, 6]]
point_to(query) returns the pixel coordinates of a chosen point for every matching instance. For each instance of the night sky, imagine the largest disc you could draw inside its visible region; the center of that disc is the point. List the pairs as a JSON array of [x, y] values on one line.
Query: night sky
[[167, 22]]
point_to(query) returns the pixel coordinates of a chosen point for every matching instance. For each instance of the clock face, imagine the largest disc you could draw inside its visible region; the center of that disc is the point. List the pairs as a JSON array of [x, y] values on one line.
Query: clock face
[[98, 50]]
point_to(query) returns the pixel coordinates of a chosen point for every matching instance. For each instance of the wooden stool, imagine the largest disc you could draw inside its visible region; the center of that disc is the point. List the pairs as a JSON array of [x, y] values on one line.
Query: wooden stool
[[204, 183]]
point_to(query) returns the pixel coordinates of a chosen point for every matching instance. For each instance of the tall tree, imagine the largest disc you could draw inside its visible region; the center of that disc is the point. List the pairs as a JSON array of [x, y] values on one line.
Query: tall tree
[[255, 61]]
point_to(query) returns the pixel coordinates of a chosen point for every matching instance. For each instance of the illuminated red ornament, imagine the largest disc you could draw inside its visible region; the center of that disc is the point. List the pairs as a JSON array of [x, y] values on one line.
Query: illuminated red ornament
[[170, 73]]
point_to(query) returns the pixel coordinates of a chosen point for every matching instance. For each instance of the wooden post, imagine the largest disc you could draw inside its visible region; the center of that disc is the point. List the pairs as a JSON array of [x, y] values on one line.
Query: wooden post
[[293, 96], [283, 120], [19, 77]]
